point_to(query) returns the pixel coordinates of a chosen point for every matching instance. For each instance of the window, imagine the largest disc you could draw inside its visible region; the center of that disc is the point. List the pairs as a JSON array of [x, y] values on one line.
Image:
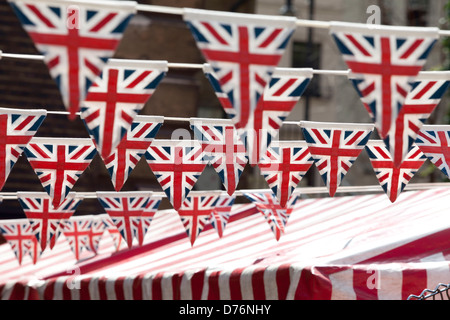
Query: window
[[417, 13], [305, 57]]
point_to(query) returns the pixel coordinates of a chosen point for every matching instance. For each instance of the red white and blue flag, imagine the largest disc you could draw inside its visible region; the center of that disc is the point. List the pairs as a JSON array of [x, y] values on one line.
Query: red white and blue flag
[[43, 217], [222, 148], [280, 96], [177, 165], [393, 178], [97, 230], [147, 217], [243, 50], [116, 97], [19, 234], [434, 142], [221, 213], [276, 216], [76, 39], [334, 148], [420, 102], [17, 127], [77, 231], [284, 165], [59, 162], [196, 211], [131, 148], [112, 230], [384, 62], [125, 210]]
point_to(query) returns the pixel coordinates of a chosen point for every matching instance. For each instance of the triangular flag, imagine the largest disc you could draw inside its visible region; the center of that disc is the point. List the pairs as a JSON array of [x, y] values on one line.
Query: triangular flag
[[19, 234], [243, 50], [59, 162], [196, 211], [147, 217], [275, 215], [221, 213], [420, 102], [131, 148], [125, 210], [76, 38], [334, 147], [284, 165], [112, 230], [384, 62], [116, 97], [177, 165], [77, 232], [17, 127], [222, 148], [96, 233], [392, 178], [44, 218], [434, 142]]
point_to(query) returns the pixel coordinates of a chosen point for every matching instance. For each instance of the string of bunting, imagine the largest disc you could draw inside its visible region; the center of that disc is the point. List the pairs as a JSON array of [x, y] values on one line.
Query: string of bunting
[[77, 41]]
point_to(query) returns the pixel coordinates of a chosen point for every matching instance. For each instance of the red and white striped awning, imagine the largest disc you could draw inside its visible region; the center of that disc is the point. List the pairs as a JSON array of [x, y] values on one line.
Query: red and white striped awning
[[352, 247]]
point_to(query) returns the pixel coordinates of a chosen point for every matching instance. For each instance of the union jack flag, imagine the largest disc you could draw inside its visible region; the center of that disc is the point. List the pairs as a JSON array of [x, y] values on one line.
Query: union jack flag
[[177, 164], [196, 211], [243, 49], [131, 148], [280, 96], [384, 62], [59, 230], [77, 231], [59, 162], [76, 39], [147, 217], [275, 215], [19, 234], [222, 148], [43, 217], [420, 102], [393, 179], [434, 142], [221, 213], [284, 165], [334, 148], [125, 210], [112, 230], [17, 127], [116, 97], [96, 233]]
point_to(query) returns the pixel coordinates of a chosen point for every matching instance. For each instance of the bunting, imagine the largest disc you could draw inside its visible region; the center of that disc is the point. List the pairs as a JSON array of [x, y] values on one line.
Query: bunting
[[280, 96], [221, 213], [43, 217], [116, 97], [112, 230], [19, 234], [222, 148], [177, 164], [392, 178], [243, 50], [420, 102], [434, 141], [76, 39], [147, 217], [125, 210], [334, 147], [96, 233], [384, 62], [59, 162], [196, 211], [284, 165], [77, 231], [131, 148], [275, 215], [17, 127]]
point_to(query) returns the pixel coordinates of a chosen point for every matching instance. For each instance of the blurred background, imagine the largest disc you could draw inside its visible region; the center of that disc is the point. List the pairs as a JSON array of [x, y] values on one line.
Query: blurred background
[[186, 93]]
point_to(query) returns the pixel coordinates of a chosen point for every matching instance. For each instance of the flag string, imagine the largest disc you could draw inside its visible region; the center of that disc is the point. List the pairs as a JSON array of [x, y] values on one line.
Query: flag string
[[300, 190]]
